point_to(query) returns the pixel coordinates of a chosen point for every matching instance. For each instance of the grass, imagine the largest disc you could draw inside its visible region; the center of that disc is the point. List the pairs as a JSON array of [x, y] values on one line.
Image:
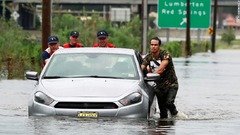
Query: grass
[[235, 44]]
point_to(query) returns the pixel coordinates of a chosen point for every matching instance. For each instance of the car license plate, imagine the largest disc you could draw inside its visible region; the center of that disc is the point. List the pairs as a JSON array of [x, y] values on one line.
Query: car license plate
[[87, 114]]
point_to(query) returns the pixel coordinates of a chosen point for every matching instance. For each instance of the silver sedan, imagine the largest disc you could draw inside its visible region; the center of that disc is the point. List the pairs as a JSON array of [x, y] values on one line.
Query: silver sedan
[[92, 82]]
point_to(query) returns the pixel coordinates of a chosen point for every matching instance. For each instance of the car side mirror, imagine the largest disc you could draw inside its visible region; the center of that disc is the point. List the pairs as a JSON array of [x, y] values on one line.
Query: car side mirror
[[152, 77], [32, 75]]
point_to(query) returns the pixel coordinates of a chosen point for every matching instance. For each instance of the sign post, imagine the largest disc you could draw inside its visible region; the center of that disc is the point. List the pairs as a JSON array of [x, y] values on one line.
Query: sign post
[[172, 13]]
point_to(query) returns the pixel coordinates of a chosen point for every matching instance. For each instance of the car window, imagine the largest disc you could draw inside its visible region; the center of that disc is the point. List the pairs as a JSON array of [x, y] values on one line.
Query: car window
[[93, 65]]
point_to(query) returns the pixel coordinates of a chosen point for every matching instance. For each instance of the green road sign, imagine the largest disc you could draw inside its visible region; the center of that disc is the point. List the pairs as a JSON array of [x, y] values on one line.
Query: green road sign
[[172, 13]]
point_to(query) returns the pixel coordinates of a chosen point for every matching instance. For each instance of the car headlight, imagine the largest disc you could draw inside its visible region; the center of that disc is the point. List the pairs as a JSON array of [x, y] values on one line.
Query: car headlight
[[42, 98], [131, 99]]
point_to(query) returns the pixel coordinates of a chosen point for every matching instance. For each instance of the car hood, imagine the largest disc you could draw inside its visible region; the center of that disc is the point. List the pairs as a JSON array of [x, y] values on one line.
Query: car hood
[[89, 87]]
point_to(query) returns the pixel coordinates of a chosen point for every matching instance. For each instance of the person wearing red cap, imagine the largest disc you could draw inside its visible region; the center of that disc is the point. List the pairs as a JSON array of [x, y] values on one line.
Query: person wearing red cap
[[74, 41], [103, 38]]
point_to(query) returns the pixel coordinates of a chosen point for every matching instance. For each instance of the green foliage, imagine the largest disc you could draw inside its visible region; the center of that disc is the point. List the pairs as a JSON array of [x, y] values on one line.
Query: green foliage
[[22, 50], [16, 48], [122, 35], [222, 45], [128, 36], [202, 46], [64, 22], [175, 48], [228, 36]]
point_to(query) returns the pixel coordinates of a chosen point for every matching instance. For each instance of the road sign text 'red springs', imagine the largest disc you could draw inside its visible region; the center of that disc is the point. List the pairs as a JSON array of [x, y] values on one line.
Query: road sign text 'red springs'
[[172, 13], [183, 11]]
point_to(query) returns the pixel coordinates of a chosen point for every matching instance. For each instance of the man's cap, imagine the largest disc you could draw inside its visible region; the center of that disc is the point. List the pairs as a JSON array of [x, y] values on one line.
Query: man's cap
[[102, 34], [53, 40], [74, 34]]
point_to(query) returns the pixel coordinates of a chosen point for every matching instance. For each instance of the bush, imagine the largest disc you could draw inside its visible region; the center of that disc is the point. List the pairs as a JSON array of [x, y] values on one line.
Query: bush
[[17, 50], [175, 48], [20, 49], [122, 35], [202, 46], [228, 36]]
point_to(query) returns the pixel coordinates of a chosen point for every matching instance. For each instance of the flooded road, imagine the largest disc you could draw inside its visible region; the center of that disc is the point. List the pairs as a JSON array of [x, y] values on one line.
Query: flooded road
[[209, 95]]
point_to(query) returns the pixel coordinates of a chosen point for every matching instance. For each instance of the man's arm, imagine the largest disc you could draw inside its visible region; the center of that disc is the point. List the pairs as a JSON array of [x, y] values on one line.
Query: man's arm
[[143, 67], [162, 67], [45, 57]]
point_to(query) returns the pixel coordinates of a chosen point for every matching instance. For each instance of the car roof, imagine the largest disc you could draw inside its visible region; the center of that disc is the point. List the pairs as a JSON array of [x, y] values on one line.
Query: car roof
[[96, 50]]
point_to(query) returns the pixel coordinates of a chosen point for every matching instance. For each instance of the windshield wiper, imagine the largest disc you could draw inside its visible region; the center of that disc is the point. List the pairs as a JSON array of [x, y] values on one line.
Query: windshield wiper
[[90, 76], [97, 76], [52, 77]]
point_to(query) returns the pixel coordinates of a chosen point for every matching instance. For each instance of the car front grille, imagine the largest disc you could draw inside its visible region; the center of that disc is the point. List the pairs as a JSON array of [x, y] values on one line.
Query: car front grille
[[86, 105]]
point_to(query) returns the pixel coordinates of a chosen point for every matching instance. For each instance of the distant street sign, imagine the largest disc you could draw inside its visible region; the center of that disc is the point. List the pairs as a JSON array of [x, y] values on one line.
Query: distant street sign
[[172, 13], [120, 14], [210, 30], [15, 15]]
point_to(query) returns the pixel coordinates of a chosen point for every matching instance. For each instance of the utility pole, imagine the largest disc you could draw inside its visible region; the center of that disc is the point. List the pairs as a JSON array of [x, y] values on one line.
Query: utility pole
[[214, 26], [46, 22], [188, 43], [144, 25], [3, 9]]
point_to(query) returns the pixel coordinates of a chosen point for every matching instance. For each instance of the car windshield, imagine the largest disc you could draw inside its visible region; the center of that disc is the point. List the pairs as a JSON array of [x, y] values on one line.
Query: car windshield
[[97, 65]]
